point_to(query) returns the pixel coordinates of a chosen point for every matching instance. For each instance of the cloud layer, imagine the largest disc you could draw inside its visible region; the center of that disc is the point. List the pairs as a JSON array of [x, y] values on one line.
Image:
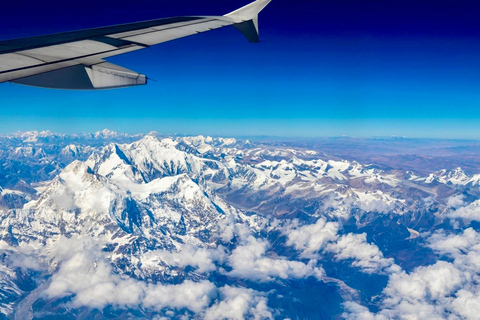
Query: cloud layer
[[445, 290]]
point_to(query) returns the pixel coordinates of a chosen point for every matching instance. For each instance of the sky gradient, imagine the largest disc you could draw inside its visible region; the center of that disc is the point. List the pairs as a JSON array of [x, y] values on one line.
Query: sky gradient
[[325, 68]]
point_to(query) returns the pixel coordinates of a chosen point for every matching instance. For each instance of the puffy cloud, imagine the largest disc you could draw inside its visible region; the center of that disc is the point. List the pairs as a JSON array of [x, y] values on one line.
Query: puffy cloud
[[381, 204], [454, 245], [227, 228], [322, 236], [433, 283], [455, 201], [249, 261], [470, 212], [201, 258], [464, 248], [467, 303], [239, 303], [195, 296], [310, 238], [86, 275], [366, 256], [426, 293], [444, 290], [25, 262], [83, 276], [355, 311], [23, 257]]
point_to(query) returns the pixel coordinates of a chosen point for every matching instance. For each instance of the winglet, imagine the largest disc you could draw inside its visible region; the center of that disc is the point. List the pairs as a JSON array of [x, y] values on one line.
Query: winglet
[[246, 19]]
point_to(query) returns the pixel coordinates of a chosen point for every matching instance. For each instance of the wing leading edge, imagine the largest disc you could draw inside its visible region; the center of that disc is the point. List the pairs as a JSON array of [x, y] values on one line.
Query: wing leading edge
[[75, 60]]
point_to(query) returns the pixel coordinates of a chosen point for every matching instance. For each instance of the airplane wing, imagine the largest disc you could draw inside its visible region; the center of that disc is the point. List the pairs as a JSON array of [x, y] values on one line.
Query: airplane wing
[[75, 60]]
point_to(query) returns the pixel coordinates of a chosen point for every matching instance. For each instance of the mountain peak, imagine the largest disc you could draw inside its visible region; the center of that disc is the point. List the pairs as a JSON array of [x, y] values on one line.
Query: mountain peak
[[105, 133]]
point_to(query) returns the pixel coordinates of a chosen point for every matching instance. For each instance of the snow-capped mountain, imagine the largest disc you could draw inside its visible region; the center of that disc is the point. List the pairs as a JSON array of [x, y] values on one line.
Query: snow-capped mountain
[[116, 226]]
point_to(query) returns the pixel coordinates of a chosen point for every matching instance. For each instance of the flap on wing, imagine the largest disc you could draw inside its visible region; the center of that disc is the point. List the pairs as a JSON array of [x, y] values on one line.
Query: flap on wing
[[80, 77]]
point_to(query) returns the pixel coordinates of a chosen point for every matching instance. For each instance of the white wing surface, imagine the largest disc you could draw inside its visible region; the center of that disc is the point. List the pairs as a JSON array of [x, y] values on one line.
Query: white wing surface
[[75, 60]]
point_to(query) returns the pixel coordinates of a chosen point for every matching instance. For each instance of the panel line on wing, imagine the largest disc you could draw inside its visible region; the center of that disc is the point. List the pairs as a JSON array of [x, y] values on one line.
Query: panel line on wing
[[26, 55], [9, 46], [125, 35], [170, 33], [59, 61], [13, 60]]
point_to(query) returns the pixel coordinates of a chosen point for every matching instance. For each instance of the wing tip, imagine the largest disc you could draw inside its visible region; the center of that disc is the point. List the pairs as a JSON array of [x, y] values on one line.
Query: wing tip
[[246, 19], [248, 12]]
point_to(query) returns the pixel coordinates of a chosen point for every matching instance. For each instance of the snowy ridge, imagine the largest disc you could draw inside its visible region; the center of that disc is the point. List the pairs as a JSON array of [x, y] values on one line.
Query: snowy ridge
[[455, 177], [205, 228]]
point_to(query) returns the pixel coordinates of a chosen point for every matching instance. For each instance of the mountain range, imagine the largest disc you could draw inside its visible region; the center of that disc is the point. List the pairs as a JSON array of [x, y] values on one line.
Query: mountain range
[[118, 226]]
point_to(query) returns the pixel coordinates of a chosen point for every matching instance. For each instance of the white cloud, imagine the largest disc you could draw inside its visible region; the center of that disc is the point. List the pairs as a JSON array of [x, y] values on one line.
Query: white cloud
[[381, 205], [310, 238], [195, 296], [238, 304], [467, 303], [23, 257], [82, 275], [469, 212], [455, 201], [201, 258], [249, 261], [433, 282], [25, 262], [355, 311], [366, 256], [227, 228], [454, 245], [444, 290], [426, 293], [86, 275]]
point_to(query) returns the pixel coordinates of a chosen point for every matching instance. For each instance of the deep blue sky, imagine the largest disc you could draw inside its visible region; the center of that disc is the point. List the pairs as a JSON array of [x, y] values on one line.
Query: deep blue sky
[[325, 68]]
